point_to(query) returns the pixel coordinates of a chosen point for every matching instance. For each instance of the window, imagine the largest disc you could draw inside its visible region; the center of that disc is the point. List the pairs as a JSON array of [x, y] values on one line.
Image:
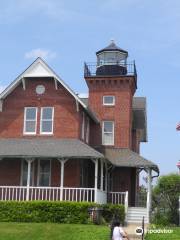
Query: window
[[83, 126], [30, 120], [46, 125], [44, 173], [108, 133], [24, 169], [87, 131], [108, 100]]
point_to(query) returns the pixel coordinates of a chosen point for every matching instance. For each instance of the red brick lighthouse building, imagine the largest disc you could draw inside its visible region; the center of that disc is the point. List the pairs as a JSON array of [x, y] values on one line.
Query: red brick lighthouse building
[[55, 145]]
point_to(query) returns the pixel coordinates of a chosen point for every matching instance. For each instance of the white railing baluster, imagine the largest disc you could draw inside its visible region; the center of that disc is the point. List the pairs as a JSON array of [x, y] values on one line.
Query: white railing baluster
[[5, 194], [80, 195], [2, 198], [83, 194], [46, 194], [73, 194], [35, 192], [19, 193]]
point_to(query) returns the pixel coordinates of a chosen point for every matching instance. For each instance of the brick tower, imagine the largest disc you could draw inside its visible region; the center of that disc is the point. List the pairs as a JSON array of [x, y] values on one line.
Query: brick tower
[[112, 84]]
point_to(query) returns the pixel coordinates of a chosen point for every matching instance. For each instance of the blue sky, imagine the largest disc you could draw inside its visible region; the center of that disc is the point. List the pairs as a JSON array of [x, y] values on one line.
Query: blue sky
[[67, 33]]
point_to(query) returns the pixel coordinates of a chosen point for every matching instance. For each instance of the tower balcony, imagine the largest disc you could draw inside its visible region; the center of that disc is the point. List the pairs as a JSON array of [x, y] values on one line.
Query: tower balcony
[[110, 69]]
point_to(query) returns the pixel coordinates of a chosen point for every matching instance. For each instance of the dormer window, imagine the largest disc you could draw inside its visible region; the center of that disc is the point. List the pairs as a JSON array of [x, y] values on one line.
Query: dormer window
[[108, 100], [30, 120]]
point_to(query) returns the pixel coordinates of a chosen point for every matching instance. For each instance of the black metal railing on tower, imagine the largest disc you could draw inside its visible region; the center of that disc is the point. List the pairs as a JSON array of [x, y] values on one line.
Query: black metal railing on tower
[[109, 69]]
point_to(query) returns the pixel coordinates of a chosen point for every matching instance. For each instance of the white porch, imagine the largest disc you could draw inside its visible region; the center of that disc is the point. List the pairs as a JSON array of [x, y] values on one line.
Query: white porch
[[21, 193]]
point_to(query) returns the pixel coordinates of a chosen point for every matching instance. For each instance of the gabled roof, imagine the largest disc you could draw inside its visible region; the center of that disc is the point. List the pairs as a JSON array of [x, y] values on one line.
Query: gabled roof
[[112, 47], [53, 148], [39, 68]]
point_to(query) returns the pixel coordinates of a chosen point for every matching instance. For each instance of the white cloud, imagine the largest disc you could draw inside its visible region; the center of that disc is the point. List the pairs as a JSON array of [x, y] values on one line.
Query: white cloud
[[43, 53]]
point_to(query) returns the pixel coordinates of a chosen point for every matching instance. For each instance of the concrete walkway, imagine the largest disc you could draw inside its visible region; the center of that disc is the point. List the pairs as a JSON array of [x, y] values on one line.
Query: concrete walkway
[[130, 229]]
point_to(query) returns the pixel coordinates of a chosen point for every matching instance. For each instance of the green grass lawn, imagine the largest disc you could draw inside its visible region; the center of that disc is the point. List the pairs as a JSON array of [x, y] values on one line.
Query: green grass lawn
[[165, 236], [52, 231]]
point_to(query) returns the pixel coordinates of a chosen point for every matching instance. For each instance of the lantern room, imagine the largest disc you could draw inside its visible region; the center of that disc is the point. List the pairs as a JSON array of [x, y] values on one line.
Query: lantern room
[[111, 60]]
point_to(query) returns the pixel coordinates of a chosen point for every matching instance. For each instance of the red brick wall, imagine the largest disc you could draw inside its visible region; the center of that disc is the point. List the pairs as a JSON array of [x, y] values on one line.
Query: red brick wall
[[136, 141], [55, 173], [10, 172], [124, 179], [123, 89], [66, 118], [72, 173]]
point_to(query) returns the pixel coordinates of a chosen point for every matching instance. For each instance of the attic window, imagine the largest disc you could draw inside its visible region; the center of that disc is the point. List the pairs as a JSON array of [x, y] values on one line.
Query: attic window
[[108, 100]]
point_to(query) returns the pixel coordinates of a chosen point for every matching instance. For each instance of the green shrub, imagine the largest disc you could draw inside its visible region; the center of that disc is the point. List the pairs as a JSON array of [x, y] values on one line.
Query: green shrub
[[109, 210], [160, 219], [49, 211]]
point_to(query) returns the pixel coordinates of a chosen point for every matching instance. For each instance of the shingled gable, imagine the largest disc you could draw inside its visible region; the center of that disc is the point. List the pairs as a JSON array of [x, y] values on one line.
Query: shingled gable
[[39, 68]]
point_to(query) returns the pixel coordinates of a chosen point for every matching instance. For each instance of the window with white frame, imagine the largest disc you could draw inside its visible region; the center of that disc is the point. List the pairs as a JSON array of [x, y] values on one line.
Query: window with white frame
[[24, 173], [87, 131], [47, 118], [83, 126], [109, 100], [30, 120], [44, 172], [108, 133]]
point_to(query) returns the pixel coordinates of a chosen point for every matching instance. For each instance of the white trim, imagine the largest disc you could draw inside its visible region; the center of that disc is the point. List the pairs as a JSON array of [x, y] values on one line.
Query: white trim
[[117, 51], [87, 130], [83, 126], [47, 133], [24, 127], [107, 132], [1, 105], [55, 83], [109, 104], [21, 177], [24, 84], [38, 172], [39, 60]]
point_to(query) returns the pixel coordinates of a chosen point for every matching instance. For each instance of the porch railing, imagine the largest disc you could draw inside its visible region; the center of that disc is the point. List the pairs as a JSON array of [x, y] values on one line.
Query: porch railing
[[20, 193], [116, 197]]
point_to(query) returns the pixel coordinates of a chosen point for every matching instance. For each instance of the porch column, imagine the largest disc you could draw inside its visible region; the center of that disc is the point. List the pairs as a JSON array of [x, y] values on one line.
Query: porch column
[[106, 176], [62, 162], [29, 161], [149, 196], [102, 174], [96, 179]]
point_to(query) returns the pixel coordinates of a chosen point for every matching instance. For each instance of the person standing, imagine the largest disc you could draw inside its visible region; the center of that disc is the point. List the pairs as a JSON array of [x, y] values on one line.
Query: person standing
[[118, 232]]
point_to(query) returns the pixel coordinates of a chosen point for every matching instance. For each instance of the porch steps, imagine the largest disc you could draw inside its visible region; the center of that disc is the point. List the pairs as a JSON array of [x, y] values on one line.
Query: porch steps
[[136, 214]]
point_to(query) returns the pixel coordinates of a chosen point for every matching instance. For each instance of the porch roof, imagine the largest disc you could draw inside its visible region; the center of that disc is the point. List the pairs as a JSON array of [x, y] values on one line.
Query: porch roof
[[52, 148], [124, 157]]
